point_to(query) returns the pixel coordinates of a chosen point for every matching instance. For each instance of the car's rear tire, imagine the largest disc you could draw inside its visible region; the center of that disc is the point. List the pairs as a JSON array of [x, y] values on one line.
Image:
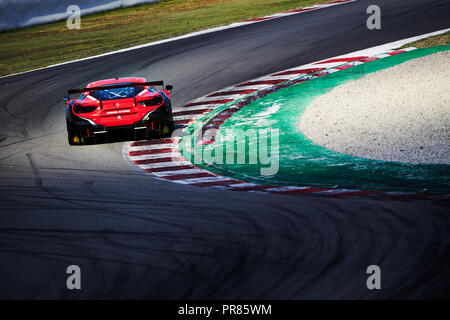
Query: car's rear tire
[[166, 127], [74, 138], [140, 135], [171, 127], [70, 138]]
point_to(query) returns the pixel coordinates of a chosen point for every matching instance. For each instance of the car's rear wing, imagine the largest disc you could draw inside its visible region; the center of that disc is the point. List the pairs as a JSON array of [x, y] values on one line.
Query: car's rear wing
[[125, 85]]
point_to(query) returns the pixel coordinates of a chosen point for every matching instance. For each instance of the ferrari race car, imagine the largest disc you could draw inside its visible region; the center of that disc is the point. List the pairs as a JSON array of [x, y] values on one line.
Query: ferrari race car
[[118, 104]]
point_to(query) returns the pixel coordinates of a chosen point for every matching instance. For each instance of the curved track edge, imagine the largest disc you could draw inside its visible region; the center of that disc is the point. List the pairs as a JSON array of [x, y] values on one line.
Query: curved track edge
[[163, 159]]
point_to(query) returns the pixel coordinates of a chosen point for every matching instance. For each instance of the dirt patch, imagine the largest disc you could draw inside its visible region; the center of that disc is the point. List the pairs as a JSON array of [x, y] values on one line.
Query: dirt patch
[[398, 114]]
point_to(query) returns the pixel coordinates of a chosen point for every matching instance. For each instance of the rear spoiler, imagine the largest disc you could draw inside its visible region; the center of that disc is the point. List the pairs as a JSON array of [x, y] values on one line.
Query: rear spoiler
[[153, 83]]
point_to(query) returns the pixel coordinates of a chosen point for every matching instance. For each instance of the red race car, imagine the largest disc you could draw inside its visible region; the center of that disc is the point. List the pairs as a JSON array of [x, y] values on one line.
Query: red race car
[[118, 104]]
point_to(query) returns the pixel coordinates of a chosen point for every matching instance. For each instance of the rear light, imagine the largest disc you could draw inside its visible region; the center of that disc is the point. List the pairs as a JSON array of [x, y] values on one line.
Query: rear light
[[83, 109], [155, 101]]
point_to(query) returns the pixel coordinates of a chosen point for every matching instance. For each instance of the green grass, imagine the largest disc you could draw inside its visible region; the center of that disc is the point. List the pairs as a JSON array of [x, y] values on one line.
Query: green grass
[[439, 40], [43, 45]]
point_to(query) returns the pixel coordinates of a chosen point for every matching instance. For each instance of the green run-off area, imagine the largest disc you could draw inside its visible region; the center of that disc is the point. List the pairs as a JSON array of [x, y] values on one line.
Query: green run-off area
[[301, 161]]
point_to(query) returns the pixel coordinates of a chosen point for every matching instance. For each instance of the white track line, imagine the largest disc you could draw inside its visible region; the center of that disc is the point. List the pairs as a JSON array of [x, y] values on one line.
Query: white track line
[[200, 180], [243, 185], [187, 117], [157, 156], [153, 147], [176, 172], [225, 97], [200, 107], [288, 188], [165, 164], [249, 87], [189, 35]]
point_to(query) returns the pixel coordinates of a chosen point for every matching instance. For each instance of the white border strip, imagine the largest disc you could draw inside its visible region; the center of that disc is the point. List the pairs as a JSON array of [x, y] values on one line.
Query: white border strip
[[189, 35], [384, 47]]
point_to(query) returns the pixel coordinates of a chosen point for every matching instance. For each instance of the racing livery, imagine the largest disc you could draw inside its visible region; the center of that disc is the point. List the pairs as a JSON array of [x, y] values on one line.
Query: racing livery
[[118, 104]]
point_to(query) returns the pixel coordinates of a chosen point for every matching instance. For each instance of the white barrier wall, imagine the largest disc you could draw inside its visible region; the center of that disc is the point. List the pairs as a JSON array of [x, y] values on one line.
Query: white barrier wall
[[22, 13]]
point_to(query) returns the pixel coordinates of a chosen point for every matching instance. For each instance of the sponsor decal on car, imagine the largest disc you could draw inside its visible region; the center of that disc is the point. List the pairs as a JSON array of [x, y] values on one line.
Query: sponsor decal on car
[[118, 111]]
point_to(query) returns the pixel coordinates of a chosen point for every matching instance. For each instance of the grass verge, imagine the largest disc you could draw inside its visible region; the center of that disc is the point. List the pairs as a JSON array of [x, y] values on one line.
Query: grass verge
[[439, 40], [43, 45]]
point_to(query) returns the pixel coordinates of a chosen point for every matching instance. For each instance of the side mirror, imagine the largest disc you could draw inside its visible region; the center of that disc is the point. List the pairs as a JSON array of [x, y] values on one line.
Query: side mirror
[[169, 87], [65, 99]]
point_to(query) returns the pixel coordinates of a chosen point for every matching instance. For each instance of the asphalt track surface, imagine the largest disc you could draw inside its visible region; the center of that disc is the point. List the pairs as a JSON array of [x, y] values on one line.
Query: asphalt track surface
[[137, 237]]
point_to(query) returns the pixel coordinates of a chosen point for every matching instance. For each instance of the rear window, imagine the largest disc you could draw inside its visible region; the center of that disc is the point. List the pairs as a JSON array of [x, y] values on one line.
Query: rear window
[[118, 93]]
